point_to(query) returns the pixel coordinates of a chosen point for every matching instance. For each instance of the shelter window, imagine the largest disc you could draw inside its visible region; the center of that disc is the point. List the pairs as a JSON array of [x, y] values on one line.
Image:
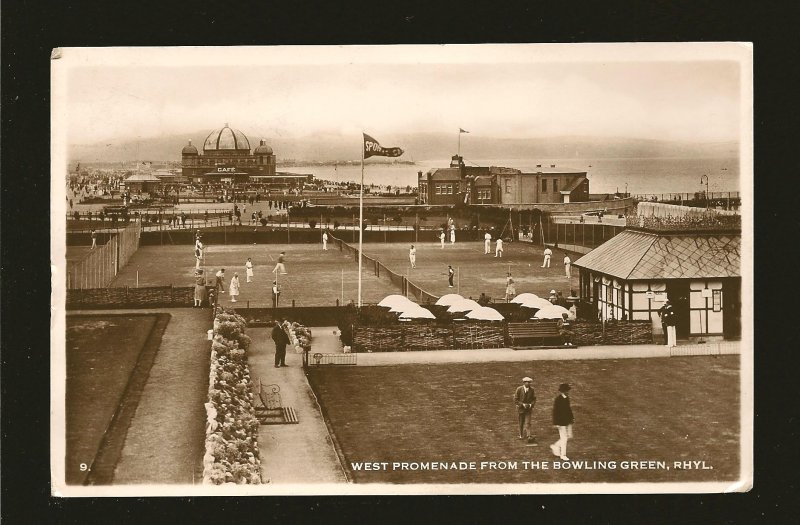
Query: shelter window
[[544, 185], [555, 185], [508, 185]]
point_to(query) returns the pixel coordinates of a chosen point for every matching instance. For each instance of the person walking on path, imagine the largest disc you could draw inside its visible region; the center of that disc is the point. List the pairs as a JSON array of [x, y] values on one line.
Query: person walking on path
[[280, 265], [567, 265], [276, 294], [450, 274], [669, 318], [248, 269], [487, 243], [325, 241], [498, 251], [412, 256], [442, 237], [525, 400], [233, 290], [221, 280], [562, 419], [281, 340], [511, 290], [547, 253], [94, 239]]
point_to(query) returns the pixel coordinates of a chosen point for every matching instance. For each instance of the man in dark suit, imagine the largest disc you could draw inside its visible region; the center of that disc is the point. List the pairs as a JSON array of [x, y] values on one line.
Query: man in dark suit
[[281, 340], [525, 399], [562, 419]]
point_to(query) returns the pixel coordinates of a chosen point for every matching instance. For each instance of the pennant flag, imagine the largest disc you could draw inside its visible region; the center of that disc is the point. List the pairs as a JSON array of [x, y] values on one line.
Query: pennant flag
[[373, 148], [462, 130]]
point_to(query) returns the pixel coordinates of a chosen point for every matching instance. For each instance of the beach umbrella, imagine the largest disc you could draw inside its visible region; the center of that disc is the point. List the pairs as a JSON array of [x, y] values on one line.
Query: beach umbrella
[[393, 300], [523, 297], [538, 303], [417, 313], [485, 313], [553, 312], [403, 307], [447, 300], [464, 305]]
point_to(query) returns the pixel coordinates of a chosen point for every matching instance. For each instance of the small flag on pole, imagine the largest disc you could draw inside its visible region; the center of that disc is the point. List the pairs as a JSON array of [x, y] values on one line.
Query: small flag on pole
[[462, 130], [373, 148]]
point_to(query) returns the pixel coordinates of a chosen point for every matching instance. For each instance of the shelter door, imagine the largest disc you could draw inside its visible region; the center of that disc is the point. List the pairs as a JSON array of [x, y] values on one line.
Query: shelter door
[[732, 309], [678, 294]]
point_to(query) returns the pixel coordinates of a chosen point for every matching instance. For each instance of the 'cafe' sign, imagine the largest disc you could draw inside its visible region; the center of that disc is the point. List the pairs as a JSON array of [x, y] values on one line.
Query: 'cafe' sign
[[226, 170]]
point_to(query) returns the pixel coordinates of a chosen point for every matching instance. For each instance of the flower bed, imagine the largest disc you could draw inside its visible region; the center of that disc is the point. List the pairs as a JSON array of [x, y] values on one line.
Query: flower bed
[[299, 335], [232, 454]]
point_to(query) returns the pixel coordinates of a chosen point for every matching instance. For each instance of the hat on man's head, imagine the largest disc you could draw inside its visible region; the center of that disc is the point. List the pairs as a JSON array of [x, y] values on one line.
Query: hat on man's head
[[526, 379], [564, 387], [552, 291]]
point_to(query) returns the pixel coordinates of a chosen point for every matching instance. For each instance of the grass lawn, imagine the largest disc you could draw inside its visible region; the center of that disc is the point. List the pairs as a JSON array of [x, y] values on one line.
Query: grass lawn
[[315, 277], [102, 353], [668, 409], [479, 273]]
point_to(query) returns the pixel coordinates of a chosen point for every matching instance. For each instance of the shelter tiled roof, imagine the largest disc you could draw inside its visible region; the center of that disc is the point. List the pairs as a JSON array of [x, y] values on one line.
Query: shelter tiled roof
[[635, 255]]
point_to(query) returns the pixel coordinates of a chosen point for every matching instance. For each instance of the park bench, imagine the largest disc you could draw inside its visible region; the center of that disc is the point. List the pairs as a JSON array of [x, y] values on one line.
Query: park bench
[[271, 410], [543, 330]]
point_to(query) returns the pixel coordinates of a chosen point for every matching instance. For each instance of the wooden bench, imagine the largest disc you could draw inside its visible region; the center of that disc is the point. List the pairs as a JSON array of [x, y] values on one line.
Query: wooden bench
[[533, 331], [271, 411]]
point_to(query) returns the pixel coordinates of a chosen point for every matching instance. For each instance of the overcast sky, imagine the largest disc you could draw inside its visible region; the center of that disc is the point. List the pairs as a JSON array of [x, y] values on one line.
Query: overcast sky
[[529, 91]]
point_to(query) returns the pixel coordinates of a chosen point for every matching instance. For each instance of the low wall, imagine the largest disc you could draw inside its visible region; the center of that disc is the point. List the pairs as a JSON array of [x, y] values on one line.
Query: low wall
[[126, 297], [586, 333], [428, 336]]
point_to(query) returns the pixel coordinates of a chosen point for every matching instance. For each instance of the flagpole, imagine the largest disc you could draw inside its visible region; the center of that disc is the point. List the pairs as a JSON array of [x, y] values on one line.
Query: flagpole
[[459, 142], [360, 220]]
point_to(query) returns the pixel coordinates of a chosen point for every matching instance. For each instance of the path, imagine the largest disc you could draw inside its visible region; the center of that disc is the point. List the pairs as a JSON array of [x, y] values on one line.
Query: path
[[166, 438], [545, 354], [300, 453]]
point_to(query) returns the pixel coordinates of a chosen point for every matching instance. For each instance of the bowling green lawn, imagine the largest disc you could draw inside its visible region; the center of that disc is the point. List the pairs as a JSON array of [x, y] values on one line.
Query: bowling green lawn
[[318, 278], [634, 419]]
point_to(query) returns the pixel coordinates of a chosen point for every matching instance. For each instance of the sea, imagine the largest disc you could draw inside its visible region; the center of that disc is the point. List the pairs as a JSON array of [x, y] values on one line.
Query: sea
[[606, 175]]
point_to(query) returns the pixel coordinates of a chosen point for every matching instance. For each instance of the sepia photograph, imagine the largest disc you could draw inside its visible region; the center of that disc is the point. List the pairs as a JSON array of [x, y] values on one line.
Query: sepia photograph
[[402, 269]]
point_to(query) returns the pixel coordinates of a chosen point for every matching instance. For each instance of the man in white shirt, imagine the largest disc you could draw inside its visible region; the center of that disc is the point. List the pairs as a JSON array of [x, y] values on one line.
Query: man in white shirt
[[547, 253], [325, 241], [487, 243], [412, 256], [498, 251], [567, 265]]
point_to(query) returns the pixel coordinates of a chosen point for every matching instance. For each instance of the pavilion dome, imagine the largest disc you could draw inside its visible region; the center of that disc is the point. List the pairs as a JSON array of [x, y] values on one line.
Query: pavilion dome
[[262, 149], [226, 138], [189, 149]]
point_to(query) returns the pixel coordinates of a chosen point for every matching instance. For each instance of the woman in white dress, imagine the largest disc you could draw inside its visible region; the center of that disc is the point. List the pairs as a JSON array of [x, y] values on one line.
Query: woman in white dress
[[249, 270], [234, 288]]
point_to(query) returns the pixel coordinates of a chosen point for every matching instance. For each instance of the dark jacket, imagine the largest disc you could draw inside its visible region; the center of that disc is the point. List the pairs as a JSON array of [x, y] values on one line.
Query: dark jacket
[[520, 397], [279, 336], [668, 316], [562, 411]]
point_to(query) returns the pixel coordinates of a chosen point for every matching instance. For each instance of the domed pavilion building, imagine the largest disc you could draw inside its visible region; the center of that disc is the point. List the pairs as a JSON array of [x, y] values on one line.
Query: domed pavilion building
[[226, 158]]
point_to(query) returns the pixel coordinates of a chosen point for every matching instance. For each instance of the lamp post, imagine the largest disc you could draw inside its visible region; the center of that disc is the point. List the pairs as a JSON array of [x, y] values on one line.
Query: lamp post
[[704, 176]]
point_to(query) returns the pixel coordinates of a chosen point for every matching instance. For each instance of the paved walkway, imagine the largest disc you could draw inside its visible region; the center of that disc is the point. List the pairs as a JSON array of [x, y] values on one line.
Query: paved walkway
[[166, 438], [301, 453], [543, 354]]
